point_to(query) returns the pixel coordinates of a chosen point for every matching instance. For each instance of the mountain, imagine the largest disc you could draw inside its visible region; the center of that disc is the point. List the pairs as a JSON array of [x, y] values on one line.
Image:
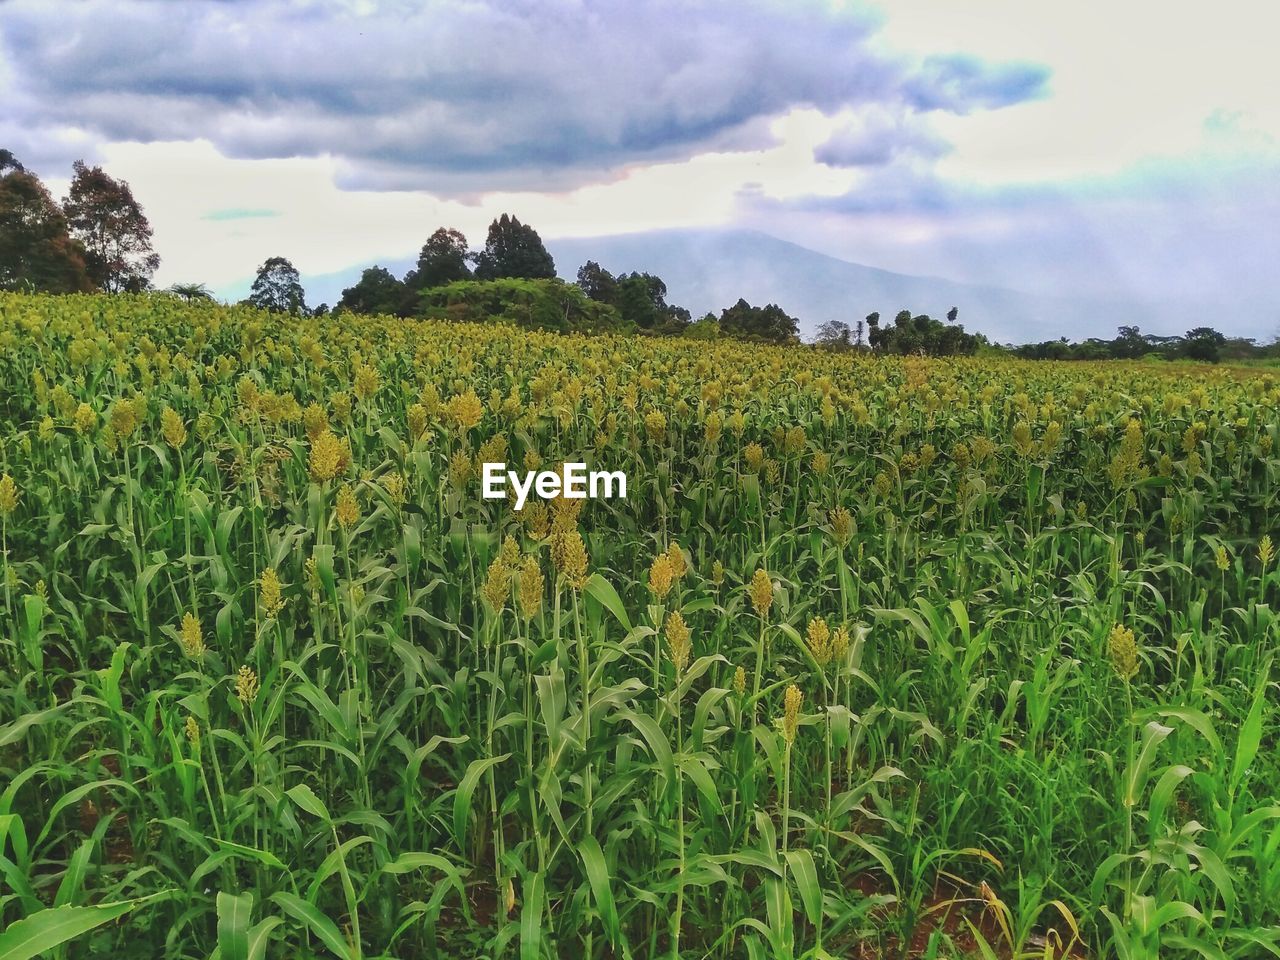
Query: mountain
[[708, 270]]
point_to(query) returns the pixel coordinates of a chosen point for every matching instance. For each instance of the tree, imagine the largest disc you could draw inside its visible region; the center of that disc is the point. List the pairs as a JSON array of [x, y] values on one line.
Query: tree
[[442, 260], [278, 288], [1203, 343], [376, 292], [597, 282], [513, 250], [9, 162], [105, 217], [922, 334], [769, 323], [835, 335], [36, 251], [191, 291], [1129, 344]]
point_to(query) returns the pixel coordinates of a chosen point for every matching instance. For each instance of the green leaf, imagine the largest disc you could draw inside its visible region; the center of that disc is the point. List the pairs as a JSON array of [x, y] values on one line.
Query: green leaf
[[598, 876], [324, 928], [603, 591], [46, 929], [1250, 732], [462, 799], [306, 798], [805, 876], [531, 919], [234, 913], [260, 936]]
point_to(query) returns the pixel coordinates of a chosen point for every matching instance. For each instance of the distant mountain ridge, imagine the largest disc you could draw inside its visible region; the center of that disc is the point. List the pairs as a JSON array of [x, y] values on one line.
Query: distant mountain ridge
[[708, 270]]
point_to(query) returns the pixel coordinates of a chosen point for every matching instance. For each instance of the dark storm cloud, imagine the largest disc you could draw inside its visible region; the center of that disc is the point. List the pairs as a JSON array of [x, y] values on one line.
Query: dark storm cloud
[[460, 96]]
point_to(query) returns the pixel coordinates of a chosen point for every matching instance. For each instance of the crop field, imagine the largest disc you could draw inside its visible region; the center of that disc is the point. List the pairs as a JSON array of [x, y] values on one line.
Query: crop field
[[879, 657]]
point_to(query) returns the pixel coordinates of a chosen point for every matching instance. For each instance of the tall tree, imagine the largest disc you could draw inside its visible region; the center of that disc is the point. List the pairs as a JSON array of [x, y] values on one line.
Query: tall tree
[[597, 282], [36, 251], [1203, 343], [376, 292], [278, 288], [770, 323], [513, 249], [835, 335], [105, 217], [442, 260]]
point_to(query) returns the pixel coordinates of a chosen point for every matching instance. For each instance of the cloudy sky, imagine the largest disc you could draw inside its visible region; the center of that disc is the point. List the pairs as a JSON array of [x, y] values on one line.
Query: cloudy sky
[[1122, 150]]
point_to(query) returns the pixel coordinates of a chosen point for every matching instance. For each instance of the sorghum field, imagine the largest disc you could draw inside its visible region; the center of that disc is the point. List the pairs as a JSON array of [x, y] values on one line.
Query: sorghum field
[[879, 657]]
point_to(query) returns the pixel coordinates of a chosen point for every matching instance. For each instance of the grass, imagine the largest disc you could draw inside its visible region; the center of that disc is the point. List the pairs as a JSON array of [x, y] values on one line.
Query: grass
[[879, 657]]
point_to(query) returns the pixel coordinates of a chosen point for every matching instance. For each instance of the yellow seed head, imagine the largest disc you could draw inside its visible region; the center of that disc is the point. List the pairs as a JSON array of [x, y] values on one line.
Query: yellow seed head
[[85, 420], [417, 419], [678, 565], [717, 573], [841, 526], [270, 593], [497, 585], [191, 636], [740, 681], [678, 640], [761, 593], [465, 410], [840, 644], [536, 522], [819, 636], [1266, 552], [124, 418], [172, 428], [655, 425], [396, 486], [1123, 649], [661, 576], [367, 382], [530, 587], [246, 686], [193, 731], [1221, 559], [569, 554], [326, 456], [348, 507], [791, 701], [9, 494]]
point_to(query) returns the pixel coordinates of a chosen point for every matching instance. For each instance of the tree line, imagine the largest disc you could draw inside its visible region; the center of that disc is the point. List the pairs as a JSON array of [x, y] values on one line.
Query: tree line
[[1203, 344], [99, 238]]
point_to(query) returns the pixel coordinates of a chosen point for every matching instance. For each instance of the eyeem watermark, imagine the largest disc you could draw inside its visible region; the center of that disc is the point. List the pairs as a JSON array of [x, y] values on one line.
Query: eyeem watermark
[[575, 483]]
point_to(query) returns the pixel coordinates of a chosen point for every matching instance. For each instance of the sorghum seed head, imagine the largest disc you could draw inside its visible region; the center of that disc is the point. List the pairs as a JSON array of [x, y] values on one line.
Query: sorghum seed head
[[761, 592], [191, 636], [791, 701], [1123, 649]]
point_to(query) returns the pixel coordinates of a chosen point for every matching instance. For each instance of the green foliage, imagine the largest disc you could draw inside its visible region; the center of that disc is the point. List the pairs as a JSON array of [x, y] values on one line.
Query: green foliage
[[36, 251], [530, 304], [378, 292], [278, 288], [103, 215], [769, 323], [513, 249], [639, 298], [923, 335]]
